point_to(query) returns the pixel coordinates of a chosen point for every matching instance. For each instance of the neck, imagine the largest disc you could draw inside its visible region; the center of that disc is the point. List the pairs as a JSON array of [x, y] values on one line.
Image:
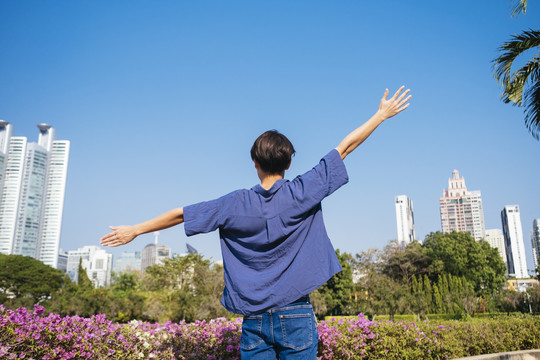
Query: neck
[[268, 180]]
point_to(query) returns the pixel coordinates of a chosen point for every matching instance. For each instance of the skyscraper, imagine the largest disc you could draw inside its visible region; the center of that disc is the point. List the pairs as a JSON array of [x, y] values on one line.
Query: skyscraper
[[535, 240], [32, 188], [404, 220], [154, 253], [495, 238], [516, 262], [461, 210]]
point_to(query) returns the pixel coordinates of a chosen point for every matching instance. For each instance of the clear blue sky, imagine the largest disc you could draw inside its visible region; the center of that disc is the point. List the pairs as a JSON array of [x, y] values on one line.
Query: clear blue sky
[[162, 101]]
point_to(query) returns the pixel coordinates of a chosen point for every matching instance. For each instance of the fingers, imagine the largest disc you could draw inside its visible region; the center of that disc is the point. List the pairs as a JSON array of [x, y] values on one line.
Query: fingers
[[398, 91], [403, 95], [404, 101], [111, 239], [384, 95], [108, 236]]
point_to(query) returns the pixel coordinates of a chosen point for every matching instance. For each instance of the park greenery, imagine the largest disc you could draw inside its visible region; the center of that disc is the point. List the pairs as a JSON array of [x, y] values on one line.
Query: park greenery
[[27, 334], [447, 274], [443, 298]]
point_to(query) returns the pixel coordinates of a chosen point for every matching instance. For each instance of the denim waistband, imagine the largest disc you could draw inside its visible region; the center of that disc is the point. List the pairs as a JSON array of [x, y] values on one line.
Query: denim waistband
[[303, 299]]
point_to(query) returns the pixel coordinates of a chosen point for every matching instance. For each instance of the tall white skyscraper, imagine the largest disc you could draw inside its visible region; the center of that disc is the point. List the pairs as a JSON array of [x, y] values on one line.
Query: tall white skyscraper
[[404, 220], [495, 238], [32, 189], [462, 210], [513, 240], [535, 240]]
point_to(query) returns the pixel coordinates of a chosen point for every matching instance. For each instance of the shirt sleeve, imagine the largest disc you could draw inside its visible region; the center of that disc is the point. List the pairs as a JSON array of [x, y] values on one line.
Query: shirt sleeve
[[327, 176], [205, 216]]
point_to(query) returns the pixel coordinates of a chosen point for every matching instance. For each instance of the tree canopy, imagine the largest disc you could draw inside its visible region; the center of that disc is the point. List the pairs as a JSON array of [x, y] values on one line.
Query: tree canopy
[[25, 277]]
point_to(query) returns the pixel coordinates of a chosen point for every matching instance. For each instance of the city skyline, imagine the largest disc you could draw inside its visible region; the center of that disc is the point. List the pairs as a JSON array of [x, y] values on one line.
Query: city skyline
[[162, 104]]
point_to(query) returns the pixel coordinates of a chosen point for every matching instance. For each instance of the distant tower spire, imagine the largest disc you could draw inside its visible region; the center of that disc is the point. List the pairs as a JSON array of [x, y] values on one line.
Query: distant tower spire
[[156, 236]]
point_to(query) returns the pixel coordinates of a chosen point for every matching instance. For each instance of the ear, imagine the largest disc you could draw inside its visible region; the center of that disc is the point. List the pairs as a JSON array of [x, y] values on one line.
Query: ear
[[257, 166], [288, 166]]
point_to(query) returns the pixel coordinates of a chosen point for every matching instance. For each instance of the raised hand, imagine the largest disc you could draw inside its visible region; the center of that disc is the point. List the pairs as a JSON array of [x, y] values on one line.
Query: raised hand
[[120, 235], [394, 105]]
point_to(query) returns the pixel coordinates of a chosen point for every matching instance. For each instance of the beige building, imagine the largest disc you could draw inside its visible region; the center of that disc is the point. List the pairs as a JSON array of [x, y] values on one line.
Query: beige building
[[154, 253], [461, 210]]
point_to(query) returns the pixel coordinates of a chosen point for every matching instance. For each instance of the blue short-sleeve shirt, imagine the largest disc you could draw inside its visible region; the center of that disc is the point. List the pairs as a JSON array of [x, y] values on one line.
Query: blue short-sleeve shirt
[[274, 244]]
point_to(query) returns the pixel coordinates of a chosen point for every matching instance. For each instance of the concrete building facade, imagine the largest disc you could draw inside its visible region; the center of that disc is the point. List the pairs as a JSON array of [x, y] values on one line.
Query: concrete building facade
[[128, 261], [516, 262], [535, 242], [495, 238], [460, 209], [404, 220], [96, 261]]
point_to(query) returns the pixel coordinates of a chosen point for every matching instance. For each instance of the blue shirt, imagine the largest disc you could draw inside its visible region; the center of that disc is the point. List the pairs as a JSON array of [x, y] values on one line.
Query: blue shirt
[[274, 244]]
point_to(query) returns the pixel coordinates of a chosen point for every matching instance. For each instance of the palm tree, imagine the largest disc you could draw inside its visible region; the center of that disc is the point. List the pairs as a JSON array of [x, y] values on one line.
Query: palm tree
[[522, 86], [520, 6]]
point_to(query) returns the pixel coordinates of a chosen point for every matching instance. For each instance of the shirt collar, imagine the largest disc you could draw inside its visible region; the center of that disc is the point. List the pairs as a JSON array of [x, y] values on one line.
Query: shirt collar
[[275, 187]]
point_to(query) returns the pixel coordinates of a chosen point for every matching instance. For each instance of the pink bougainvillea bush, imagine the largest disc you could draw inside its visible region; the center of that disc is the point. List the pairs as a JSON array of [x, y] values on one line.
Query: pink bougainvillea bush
[[32, 334]]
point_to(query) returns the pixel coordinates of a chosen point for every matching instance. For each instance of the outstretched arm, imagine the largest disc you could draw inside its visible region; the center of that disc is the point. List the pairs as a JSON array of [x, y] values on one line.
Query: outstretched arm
[[121, 235], [387, 109]]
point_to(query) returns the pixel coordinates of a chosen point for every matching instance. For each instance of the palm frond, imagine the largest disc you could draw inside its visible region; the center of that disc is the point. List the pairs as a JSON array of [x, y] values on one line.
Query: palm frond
[[513, 89], [532, 107], [511, 50], [520, 6], [521, 87]]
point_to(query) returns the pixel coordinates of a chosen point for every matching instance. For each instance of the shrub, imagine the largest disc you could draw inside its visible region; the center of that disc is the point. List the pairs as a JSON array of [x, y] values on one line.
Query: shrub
[[33, 335]]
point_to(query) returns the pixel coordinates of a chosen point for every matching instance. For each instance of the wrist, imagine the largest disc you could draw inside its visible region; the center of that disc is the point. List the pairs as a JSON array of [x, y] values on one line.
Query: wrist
[[379, 116], [137, 230]]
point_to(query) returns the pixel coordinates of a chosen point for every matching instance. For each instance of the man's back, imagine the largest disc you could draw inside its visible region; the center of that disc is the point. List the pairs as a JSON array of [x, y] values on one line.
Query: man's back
[[274, 243]]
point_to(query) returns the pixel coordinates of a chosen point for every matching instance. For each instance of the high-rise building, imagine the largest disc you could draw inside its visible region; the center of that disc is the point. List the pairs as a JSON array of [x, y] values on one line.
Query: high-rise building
[[535, 240], [404, 220], [495, 238], [128, 261], [62, 260], [97, 263], [516, 262], [32, 189], [461, 210], [154, 253]]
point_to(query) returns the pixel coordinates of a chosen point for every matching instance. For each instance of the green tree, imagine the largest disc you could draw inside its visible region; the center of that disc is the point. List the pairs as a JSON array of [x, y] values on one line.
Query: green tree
[[403, 265], [25, 281], [438, 301], [521, 86], [462, 256], [338, 290], [184, 288], [83, 280], [533, 295]]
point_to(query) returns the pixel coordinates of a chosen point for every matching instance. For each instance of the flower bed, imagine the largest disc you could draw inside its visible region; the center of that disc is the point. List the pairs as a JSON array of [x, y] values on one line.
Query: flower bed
[[26, 334]]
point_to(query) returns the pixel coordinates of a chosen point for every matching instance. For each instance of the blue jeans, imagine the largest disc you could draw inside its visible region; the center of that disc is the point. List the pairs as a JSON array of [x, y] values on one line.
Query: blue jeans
[[289, 332]]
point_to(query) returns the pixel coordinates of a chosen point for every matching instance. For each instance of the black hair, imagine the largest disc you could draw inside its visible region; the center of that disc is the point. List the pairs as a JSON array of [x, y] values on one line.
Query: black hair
[[272, 151]]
